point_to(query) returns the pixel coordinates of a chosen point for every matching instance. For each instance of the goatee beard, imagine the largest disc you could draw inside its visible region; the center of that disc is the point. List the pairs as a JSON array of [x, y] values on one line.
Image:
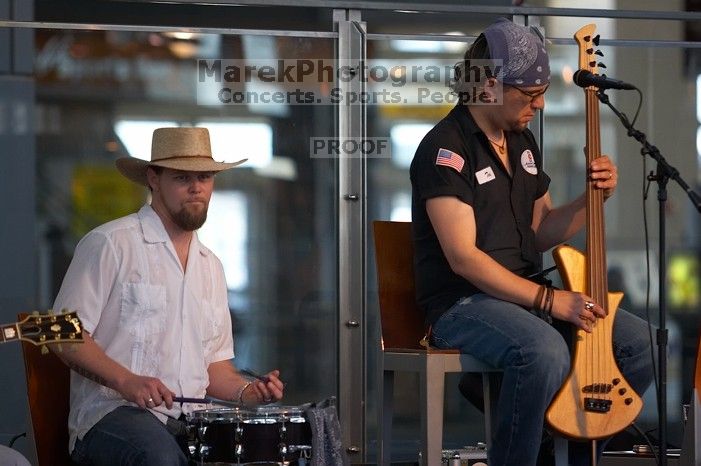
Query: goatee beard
[[189, 221]]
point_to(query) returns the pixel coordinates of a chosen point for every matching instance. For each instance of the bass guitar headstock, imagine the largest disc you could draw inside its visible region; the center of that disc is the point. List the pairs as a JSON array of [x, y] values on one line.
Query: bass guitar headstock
[[588, 53]]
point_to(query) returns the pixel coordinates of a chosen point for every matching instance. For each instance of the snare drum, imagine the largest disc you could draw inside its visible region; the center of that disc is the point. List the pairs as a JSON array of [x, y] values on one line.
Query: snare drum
[[264, 435]]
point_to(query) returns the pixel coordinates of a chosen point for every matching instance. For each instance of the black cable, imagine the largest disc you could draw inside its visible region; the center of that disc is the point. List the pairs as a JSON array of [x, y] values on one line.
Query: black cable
[[14, 439], [646, 191], [640, 105], [647, 440]]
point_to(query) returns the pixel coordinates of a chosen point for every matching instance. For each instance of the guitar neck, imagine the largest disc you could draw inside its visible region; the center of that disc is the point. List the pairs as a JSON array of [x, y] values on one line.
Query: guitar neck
[[9, 332], [597, 286]]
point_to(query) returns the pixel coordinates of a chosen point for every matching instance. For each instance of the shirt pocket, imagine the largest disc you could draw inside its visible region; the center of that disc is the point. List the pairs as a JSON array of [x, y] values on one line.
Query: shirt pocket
[[143, 309]]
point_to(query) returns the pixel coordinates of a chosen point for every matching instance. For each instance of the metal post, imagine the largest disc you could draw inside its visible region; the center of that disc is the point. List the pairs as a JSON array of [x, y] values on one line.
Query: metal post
[[351, 126]]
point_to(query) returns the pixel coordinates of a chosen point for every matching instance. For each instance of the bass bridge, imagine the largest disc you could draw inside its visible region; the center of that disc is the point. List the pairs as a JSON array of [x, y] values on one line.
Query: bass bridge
[[602, 405]]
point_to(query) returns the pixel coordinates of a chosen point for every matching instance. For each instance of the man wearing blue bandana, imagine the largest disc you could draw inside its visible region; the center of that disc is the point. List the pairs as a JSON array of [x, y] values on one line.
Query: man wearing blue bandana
[[481, 216]]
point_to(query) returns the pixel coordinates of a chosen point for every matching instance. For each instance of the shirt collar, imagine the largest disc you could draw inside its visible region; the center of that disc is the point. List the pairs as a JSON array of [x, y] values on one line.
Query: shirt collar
[[155, 232], [152, 226], [464, 118]]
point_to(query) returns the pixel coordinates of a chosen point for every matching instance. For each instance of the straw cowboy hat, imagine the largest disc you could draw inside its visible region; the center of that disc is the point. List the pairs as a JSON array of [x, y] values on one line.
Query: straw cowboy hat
[[185, 149]]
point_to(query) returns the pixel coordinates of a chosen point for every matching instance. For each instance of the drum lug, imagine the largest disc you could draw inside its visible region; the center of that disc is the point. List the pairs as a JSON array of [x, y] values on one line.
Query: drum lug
[[353, 450], [204, 451]]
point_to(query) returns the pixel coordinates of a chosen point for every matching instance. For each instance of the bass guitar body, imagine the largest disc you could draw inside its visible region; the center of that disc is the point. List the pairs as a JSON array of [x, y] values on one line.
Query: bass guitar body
[[595, 400]]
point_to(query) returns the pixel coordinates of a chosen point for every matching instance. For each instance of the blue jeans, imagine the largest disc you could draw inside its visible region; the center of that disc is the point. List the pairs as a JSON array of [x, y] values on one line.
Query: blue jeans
[[129, 436], [535, 358]]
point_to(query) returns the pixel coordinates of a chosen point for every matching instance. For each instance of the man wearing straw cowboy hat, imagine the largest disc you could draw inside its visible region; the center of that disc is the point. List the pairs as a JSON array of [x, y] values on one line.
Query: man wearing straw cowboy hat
[[153, 302]]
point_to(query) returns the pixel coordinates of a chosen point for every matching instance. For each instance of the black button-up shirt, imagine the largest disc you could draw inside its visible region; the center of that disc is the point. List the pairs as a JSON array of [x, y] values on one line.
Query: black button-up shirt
[[456, 159]]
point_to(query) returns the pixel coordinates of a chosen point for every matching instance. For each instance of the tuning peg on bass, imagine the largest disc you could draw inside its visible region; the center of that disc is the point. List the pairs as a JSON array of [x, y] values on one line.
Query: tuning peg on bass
[[596, 39]]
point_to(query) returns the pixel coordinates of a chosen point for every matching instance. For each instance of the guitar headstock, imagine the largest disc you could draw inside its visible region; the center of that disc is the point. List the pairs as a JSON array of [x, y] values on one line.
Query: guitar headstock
[[587, 43], [44, 329]]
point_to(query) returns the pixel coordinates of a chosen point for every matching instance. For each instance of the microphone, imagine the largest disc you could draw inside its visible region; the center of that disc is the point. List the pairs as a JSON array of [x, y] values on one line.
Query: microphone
[[584, 78]]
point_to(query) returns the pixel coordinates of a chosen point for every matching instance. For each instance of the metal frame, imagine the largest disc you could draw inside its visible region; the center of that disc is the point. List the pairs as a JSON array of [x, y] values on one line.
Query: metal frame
[[320, 34], [352, 233], [400, 6], [150, 28]]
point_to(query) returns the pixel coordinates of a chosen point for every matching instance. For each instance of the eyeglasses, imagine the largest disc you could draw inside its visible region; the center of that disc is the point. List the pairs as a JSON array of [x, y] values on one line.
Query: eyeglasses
[[531, 95]]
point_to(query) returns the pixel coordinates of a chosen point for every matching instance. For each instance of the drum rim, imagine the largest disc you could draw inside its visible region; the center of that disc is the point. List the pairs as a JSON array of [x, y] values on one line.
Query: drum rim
[[216, 414], [276, 412]]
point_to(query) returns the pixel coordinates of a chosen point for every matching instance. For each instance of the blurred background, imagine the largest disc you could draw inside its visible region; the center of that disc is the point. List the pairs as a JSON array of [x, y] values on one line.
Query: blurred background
[[85, 82]]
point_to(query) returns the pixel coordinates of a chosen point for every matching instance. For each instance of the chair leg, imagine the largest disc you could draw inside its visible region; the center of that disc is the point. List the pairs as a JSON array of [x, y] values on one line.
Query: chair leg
[[432, 397], [561, 450], [384, 419], [489, 384]]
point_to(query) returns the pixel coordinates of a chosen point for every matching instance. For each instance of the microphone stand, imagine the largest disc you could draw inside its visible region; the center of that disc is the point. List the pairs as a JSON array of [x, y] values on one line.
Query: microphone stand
[[662, 176]]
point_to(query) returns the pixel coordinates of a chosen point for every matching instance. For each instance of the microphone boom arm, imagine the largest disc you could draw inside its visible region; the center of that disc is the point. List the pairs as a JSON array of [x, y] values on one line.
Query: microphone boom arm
[[663, 168]]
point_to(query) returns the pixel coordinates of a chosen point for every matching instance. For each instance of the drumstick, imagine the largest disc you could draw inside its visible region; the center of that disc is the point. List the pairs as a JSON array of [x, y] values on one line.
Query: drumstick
[[184, 399], [207, 400], [255, 375]]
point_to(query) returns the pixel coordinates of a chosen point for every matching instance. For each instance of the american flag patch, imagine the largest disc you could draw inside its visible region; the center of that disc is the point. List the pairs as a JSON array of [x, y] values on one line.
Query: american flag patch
[[450, 159]]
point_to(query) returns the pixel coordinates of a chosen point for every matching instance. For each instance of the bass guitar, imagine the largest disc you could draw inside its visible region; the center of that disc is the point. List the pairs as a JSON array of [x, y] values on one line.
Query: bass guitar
[[595, 400]]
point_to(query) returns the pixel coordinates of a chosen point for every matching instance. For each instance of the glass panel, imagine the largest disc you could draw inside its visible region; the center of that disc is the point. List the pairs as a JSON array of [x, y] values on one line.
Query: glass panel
[[668, 80], [389, 198], [272, 221]]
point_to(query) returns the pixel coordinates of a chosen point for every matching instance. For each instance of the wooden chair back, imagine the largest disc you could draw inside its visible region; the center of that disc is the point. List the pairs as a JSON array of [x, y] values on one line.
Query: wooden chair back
[[48, 391], [402, 319]]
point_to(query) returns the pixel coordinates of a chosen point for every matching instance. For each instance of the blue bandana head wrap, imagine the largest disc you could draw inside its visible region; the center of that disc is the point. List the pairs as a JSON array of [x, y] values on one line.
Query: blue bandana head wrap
[[521, 49]]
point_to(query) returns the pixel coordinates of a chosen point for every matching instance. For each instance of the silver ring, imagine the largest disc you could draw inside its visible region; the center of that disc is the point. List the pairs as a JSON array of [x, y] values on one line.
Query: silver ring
[[149, 401], [610, 174], [588, 305]]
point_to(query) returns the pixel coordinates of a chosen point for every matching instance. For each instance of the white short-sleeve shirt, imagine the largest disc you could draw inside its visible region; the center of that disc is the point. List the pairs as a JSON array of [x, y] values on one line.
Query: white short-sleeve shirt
[[128, 287]]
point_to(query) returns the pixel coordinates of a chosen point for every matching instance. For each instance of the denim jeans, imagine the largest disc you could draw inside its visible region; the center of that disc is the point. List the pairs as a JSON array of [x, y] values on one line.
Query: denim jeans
[[535, 358], [129, 436]]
